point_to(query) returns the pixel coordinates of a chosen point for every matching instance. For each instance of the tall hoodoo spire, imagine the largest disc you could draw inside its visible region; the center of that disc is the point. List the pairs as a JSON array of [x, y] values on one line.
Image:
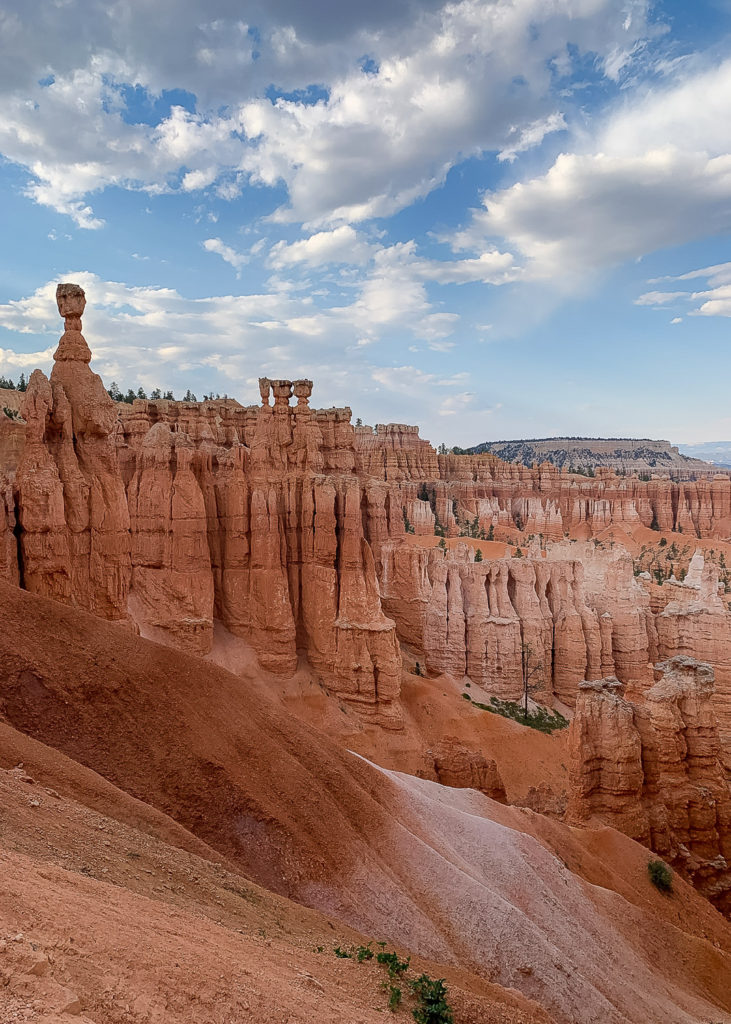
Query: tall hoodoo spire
[[72, 347]]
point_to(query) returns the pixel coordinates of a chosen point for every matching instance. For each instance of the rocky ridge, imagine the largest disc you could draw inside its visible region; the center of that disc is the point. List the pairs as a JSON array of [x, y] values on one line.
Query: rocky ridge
[[652, 768], [625, 454]]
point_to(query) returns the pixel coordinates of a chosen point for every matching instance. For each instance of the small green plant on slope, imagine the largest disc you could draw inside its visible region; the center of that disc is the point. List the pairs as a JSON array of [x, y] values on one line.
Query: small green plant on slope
[[394, 998], [660, 875], [433, 1006], [431, 994], [395, 966], [541, 719]]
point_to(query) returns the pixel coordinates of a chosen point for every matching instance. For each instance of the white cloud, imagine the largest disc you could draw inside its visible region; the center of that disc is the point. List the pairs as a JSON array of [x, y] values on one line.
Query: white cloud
[[658, 173], [531, 135], [341, 245], [226, 252], [157, 337], [714, 301], [659, 298], [455, 82], [677, 320]]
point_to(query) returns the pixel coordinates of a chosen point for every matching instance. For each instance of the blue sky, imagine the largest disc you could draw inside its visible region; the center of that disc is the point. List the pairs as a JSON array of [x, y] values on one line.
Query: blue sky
[[493, 219]]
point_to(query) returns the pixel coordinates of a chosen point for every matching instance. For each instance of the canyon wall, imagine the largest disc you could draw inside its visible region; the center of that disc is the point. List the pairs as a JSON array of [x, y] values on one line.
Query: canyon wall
[[577, 610], [653, 769], [538, 499], [169, 515], [288, 525]]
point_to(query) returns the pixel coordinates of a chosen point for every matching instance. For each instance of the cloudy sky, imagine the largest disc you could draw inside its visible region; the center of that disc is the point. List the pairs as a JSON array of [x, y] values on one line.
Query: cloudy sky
[[493, 218]]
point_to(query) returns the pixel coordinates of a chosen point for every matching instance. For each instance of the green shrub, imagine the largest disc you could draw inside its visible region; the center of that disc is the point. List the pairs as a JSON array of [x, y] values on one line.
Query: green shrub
[[395, 966], [541, 719], [394, 998], [364, 953], [343, 953], [432, 996], [660, 875]]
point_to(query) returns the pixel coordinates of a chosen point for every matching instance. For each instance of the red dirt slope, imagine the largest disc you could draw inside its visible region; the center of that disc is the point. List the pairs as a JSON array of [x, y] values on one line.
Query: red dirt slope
[[448, 874]]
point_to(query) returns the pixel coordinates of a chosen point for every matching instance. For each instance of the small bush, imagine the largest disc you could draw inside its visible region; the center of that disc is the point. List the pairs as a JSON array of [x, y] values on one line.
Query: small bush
[[394, 998], [395, 966], [541, 719], [660, 875], [432, 996], [364, 953], [343, 953]]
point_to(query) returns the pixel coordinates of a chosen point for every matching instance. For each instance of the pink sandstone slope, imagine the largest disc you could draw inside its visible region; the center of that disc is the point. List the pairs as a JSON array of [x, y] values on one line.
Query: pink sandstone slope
[[448, 874]]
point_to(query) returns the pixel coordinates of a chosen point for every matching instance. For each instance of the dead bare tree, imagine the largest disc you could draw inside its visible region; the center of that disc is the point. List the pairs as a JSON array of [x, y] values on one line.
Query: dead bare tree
[[530, 667]]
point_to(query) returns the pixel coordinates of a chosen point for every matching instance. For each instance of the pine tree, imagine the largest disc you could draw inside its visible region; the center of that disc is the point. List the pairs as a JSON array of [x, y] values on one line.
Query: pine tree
[[22, 383], [478, 555]]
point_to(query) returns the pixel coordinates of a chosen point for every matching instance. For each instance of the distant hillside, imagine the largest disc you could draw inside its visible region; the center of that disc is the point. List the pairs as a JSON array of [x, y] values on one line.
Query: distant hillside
[[581, 454], [717, 452]]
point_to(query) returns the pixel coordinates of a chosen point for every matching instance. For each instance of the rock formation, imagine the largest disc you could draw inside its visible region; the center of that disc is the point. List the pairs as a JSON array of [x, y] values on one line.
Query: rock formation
[[653, 770], [288, 524], [460, 768], [73, 513], [638, 455], [474, 618], [174, 513]]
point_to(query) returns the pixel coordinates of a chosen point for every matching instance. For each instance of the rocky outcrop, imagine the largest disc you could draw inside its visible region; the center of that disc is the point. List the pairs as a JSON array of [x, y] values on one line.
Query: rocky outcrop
[[287, 524], [172, 582], [173, 514], [540, 498], [695, 621], [653, 770], [479, 618], [460, 768], [74, 522]]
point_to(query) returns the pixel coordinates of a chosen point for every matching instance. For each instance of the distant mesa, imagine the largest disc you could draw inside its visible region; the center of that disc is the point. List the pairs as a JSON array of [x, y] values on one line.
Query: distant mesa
[[633, 455]]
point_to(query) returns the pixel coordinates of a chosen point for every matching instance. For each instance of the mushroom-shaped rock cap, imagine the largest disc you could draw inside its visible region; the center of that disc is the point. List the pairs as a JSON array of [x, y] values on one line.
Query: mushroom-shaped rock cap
[[70, 299]]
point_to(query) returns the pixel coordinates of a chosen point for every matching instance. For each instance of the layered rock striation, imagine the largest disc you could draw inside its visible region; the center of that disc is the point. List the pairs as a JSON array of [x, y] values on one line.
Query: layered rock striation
[[653, 769], [170, 518], [288, 525]]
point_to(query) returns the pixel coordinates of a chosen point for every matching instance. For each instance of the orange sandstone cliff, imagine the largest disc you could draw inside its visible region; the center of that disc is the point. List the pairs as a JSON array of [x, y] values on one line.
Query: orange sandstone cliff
[[653, 770]]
